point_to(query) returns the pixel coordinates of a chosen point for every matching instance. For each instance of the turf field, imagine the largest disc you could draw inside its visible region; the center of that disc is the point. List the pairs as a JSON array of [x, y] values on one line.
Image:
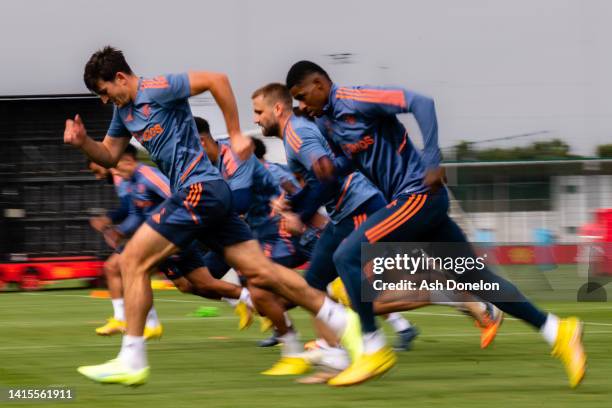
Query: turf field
[[206, 362]]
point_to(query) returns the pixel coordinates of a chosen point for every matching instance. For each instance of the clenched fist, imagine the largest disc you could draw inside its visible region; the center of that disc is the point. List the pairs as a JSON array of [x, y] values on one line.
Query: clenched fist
[[75, 133]]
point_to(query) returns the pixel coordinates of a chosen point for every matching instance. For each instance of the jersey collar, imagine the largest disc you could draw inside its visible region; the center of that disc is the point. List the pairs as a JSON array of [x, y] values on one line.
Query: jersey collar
[[332, 94]]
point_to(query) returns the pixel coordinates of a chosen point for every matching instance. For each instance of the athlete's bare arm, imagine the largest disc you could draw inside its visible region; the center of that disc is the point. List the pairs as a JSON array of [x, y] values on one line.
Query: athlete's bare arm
[[106, 153], [219, 86]]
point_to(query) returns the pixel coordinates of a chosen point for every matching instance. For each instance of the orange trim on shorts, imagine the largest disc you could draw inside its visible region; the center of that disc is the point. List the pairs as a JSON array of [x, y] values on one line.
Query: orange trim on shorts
[[359, 219], [412, 206], [195, 191]]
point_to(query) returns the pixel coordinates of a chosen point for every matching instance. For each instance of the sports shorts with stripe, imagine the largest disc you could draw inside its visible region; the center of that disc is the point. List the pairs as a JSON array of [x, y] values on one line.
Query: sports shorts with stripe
[[201, 211]]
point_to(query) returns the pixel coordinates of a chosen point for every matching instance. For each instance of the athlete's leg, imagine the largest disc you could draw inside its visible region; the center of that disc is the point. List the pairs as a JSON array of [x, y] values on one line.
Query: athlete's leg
[[112, 272], [249, 259], [145, 250], [517, 306], [268, 305], [205, 285]]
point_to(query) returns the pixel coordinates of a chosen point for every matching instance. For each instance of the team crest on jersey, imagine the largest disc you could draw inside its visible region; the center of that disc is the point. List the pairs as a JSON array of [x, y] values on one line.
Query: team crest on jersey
[[350, 119], [129, 116], [146, 110], [141, 188]]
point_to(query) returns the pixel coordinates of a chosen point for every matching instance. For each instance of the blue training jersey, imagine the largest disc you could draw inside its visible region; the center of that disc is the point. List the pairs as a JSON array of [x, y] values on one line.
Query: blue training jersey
[[148, 188], [282, 174], [252, 184], [362, 121], [305, 144], [160, 119], [125, 205]]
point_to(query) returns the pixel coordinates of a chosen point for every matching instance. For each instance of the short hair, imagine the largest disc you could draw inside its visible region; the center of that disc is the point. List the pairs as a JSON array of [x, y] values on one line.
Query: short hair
[[300, 70], [260, 148], [104, 65], [130, 150], [275, 92], [202, 125]]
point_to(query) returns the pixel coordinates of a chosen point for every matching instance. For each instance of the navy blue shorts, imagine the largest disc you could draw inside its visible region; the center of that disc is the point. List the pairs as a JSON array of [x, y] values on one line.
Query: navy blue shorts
[[218, 267], [184, 262], [202, 211]]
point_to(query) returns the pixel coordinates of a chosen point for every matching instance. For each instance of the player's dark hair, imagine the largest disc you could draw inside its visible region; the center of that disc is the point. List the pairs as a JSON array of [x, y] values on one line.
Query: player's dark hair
[[202, 125], [131, 150], [260, 148], [274, 92], [300, 70], [104, 65]]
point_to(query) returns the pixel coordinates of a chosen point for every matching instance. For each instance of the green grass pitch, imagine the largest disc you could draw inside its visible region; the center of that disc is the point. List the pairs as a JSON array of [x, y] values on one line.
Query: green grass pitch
[[206, 362]]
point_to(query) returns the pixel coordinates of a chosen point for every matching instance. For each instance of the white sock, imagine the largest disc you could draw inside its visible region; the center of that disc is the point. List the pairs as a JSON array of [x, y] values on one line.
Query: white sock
[[373, 341], [321, 343], [291, 343], [133, 352], [118, 309], [152, 319], [232, 302], [334, 358], [550, 328], [332, 314], [245, 297], [398, 322], [288, 321]]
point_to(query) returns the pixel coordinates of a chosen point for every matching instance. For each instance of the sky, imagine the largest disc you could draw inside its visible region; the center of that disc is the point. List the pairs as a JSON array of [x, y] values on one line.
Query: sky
[[494, 68]]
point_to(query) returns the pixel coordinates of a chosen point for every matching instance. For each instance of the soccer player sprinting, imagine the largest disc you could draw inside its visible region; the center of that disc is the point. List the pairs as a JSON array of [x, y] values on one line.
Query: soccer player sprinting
[[362, 121], [117, 227], [156, 111], [253, 186], [148, 188], [349, 200]]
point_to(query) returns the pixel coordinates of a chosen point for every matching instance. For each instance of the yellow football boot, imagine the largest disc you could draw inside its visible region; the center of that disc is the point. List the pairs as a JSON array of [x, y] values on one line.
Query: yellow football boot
[[368, 366], [568, 348], [112, 326], [289, 366]]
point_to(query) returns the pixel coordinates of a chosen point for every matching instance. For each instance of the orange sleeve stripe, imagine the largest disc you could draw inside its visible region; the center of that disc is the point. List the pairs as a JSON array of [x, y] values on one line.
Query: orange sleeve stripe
[[292, 144], [295, 135], [395, 100], [155, 179], [389, 97], [389, 225], [344, 190], [294, 141], [154, 83], [191, 166]]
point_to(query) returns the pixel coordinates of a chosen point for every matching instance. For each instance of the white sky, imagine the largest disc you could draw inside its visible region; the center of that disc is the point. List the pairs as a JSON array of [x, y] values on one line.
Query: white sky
[[495, 68]]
